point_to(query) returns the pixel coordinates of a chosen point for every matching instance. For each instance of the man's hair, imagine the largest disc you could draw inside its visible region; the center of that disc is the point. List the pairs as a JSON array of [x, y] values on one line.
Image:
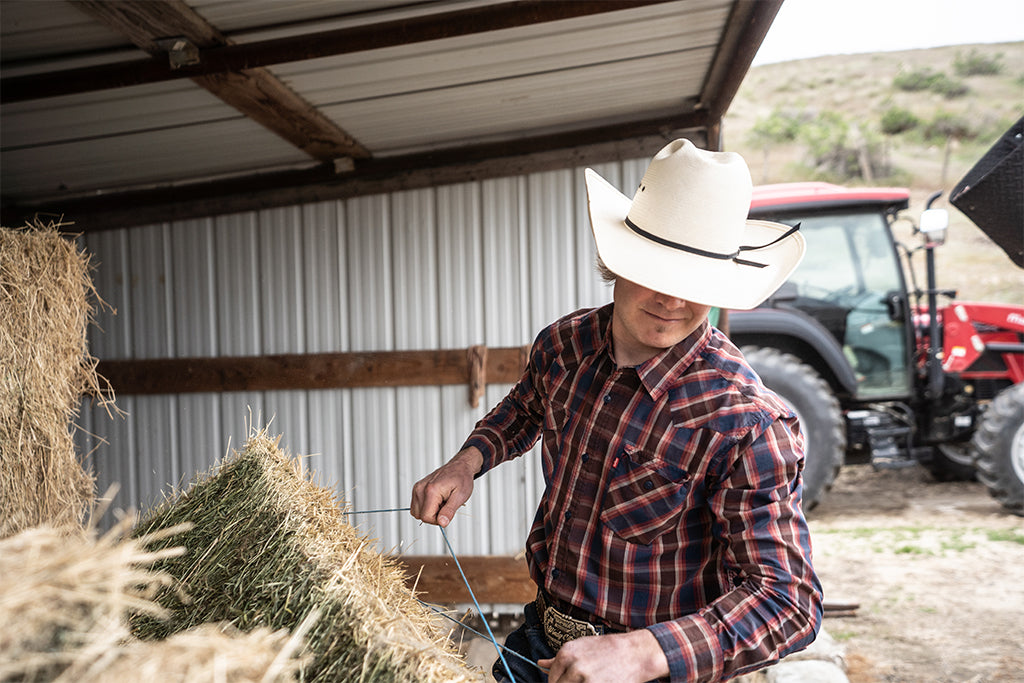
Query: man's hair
[[607, 276]]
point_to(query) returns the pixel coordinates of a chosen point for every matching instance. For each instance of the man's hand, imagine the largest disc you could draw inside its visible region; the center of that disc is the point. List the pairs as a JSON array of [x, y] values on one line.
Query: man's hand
[[437, 496], [632, 657]]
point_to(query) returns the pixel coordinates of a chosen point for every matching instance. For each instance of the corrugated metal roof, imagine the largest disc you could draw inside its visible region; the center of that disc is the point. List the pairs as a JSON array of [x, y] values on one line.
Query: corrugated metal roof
[[601, 72]]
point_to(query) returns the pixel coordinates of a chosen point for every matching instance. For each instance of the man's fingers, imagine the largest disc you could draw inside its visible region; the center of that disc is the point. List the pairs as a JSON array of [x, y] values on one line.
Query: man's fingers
[[554, 670], [447, 512], [438, 496], [435, 505]]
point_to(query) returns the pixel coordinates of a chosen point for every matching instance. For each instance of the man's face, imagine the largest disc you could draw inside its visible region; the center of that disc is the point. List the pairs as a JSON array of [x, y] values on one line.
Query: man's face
[[645, 322]]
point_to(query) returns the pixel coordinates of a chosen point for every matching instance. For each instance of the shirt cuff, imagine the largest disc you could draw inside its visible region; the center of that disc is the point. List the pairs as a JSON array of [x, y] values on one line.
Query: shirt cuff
[[691, 647], [486, 447]]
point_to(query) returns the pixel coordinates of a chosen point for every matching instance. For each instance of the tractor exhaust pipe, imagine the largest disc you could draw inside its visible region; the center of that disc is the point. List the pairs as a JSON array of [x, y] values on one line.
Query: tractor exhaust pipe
[[933, 362]]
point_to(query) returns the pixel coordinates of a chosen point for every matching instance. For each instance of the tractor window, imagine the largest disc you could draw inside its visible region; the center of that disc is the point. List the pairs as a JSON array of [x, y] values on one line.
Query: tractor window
[[844, 280]]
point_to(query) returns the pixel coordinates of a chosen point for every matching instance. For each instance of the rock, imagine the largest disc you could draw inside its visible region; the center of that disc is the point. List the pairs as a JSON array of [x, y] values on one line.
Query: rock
[[807, 671], [824, 648]]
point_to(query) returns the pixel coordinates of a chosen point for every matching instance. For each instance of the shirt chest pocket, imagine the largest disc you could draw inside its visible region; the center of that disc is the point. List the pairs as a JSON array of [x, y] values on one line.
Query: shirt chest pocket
[[644, 500]]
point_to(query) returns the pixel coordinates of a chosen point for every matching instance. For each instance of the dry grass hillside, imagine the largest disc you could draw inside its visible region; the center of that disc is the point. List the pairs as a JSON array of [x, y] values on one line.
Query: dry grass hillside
[[858, 90]]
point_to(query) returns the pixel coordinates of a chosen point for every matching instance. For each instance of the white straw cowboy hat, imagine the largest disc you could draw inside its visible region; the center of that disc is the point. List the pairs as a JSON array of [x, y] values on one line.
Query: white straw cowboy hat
[[686, 234]]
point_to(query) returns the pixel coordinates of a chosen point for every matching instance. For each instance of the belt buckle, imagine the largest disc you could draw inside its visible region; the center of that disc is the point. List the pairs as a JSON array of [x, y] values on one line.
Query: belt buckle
[[561, 628]]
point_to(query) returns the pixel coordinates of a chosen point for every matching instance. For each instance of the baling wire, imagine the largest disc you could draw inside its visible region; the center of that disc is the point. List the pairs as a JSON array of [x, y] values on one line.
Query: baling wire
[[490, 634]]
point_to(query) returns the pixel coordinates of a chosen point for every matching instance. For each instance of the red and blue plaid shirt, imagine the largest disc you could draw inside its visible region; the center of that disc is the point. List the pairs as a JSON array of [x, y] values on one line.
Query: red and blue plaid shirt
[[672, 497]]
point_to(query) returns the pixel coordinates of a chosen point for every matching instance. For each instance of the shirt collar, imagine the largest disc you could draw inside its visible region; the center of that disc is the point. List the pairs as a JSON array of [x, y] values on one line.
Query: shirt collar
[[657, 374]]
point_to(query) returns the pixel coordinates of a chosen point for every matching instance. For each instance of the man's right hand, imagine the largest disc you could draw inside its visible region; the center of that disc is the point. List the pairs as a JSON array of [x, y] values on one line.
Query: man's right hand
[[437, 496]]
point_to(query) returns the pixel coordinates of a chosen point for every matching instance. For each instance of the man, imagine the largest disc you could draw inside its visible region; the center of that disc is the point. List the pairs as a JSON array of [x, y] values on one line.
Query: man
[[669, 540]]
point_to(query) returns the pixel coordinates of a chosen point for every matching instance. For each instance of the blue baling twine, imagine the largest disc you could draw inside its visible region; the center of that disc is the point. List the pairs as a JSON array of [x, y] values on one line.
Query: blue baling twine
[[490, 634], [440, 612], [370, 512]]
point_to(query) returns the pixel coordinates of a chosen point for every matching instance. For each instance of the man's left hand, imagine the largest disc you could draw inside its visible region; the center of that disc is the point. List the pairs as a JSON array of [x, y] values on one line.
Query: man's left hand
[[632, 657]]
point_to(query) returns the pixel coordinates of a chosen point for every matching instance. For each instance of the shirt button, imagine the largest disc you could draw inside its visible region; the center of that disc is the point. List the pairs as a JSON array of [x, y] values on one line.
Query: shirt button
[[607, 398], [567, 516], [555, 573], [586, 457], [648, 485]]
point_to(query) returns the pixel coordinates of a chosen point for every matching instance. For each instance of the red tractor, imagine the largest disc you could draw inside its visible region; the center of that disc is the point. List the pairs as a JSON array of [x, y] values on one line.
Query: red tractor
[[877, 369]]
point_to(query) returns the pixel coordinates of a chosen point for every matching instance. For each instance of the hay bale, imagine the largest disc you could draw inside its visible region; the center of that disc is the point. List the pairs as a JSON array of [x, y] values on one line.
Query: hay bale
[[65, 599], [46, 305], [65, 593], [211, 652], [268, 546]]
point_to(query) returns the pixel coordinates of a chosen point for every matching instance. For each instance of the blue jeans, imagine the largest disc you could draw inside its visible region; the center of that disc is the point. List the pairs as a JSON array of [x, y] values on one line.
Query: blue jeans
[[528, 640]]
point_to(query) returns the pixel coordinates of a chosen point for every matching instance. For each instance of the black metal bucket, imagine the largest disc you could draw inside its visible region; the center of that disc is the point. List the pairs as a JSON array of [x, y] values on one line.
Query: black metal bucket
[[992, 193]]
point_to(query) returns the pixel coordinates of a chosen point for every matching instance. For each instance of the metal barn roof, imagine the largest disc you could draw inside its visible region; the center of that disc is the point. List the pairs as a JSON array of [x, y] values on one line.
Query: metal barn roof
[[123, 112]]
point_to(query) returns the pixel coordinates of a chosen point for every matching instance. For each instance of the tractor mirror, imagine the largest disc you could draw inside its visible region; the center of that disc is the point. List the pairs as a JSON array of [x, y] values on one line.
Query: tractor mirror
[[933, 224]]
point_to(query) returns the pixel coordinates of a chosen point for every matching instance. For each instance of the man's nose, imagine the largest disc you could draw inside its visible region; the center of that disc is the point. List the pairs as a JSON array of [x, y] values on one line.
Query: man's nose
[[670, 303]]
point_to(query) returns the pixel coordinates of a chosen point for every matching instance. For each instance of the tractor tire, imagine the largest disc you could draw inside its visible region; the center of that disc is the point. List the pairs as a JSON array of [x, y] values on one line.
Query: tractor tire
[[951, 462], [821, 420], [999, 442]]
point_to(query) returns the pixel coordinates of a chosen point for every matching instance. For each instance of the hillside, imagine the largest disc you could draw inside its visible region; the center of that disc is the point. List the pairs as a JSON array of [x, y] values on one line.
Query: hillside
[[855, 91]]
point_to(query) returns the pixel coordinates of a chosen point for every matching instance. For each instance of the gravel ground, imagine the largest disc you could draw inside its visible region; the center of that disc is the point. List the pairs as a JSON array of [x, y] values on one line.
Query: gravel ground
[[937, 569]]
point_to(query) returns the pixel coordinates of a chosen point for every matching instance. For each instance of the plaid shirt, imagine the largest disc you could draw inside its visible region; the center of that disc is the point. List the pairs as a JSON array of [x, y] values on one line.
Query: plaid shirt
[[672, 497]]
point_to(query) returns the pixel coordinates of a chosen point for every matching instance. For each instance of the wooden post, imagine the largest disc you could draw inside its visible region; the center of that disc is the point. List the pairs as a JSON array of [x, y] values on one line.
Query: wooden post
[[477, 374]]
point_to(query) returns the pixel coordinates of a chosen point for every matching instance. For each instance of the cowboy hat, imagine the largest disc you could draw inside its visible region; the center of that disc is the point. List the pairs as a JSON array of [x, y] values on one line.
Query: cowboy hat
[[686, 234]]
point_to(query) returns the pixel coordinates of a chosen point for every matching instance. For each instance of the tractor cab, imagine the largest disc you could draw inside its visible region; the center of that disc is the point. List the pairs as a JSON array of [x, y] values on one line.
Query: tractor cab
[[850, 282]]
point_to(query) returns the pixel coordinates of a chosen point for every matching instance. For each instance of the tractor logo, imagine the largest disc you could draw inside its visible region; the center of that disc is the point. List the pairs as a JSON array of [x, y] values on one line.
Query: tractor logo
[[1015, 319]]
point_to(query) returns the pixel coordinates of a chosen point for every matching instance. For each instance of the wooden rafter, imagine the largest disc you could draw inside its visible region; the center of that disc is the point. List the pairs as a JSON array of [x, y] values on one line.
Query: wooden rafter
[[744, 33], [374, 176], [228, 57], [255, 92]]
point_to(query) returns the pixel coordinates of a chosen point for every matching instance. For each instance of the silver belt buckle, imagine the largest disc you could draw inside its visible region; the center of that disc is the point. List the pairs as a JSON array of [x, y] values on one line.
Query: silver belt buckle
[[561, 628]]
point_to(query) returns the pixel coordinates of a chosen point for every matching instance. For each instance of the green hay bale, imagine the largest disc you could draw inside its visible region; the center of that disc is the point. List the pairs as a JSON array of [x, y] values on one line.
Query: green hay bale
[[268, 547]]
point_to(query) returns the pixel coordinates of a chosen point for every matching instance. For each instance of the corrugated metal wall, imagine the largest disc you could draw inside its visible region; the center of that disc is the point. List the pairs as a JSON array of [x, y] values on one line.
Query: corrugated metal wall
[[481, 263]]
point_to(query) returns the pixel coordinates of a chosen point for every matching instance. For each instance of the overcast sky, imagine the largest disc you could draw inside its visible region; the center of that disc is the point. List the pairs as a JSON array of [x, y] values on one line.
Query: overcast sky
[[811, 28]]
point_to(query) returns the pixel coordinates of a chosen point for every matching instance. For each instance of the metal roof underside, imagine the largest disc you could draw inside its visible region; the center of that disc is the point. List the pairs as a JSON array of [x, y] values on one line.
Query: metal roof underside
[[127, 112]]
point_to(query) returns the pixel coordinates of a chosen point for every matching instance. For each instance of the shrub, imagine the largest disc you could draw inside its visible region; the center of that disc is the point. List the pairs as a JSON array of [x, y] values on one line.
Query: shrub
[[779, 126], [975, 63], [827, 140], [917, 80], [950, 88], [946, 125], [897, 120], [840, 151], [925, 79]]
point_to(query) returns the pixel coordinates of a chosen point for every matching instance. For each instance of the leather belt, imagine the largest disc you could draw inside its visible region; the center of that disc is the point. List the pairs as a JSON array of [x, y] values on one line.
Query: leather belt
[[560, 627]]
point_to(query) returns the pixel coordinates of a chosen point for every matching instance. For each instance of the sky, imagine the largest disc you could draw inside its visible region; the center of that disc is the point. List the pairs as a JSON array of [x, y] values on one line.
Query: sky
[[812, 28]]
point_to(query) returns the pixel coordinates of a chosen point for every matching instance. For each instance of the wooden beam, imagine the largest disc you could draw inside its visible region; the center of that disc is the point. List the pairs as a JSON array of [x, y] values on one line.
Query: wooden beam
[[255, 92], [308, 371], [377, 176], [499, 579], [495, 579], [234, 58], [744, 32]]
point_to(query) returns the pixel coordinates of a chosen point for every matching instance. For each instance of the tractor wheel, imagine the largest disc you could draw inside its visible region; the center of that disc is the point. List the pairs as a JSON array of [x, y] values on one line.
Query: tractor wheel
[[951, 462], [821, 420], [999, 441]]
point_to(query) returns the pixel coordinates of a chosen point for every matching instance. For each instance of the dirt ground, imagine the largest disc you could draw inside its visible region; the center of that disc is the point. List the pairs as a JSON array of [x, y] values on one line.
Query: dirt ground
[[937, 570]]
